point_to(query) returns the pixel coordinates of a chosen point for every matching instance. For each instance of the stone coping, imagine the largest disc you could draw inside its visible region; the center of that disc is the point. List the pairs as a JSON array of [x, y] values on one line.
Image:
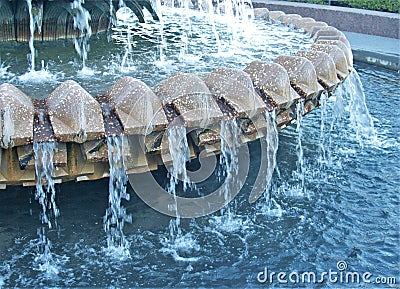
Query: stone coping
[[226, 94], [379, 31], [343, 18]]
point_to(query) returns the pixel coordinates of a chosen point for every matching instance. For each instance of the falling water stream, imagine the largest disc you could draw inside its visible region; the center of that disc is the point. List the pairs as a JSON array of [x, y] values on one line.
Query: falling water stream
[[32, 36], [272, 140], [46, 196], [299, 173], [360, 118], [116, 215], [229, 160], [271, 207], [179, 153], [322, 146], [81, 22]]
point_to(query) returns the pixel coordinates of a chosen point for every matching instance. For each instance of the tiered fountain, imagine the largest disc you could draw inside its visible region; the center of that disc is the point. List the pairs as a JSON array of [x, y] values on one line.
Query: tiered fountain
[[127, 129], [79, 123]]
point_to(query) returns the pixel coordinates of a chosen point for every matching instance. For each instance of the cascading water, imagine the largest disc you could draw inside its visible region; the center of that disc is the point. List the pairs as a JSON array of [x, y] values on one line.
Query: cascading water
[[35, 12], [360, 118], [179, 154], [32, 36], [46, 196], [229, 159], [116, 214], [337, 112], [300, 171], [322, 138], [272, 140], [81, 22], [163, 43], [271, 208]]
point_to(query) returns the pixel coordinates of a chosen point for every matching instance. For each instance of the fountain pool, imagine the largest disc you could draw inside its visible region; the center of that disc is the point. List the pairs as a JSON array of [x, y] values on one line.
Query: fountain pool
[[350, 213], [133, 49]]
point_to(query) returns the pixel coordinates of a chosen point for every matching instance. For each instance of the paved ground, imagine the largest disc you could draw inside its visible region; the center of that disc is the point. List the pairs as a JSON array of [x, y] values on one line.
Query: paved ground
[[377, 50]]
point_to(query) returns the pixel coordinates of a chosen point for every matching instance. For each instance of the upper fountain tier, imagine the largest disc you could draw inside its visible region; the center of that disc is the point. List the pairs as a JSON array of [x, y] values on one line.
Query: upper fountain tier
[[54, 19]]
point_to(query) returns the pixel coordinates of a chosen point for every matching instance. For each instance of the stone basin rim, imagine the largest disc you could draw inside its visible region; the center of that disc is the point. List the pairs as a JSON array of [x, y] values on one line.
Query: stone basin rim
[[75, 149]]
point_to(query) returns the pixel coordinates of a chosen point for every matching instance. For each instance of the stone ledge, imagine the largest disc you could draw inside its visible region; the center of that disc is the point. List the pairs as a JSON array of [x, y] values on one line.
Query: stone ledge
[[346, 19]]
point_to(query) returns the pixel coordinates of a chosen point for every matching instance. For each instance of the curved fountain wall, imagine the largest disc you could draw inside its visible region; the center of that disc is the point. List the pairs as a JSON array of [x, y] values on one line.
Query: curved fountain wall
[[79, 123], [55, 19]]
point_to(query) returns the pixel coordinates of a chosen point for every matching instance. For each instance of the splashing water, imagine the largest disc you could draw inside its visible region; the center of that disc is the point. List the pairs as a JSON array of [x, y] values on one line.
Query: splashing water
[[46, 196], [4, 70], [360, 118], [116, 215], [40, 76], [81, 22], [338, 107]]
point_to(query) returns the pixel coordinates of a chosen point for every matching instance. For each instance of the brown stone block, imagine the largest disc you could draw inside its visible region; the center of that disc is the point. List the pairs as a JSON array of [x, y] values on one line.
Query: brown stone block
[[284, 118], [261, 13], [74, 114], [309, 26], [340, 38], [77, 164], [27, 161], [253, 130], [338, 56], [235, 88], [138, 108], [324, 67], [289, 19], [347, 51], [16, 117], [135, 152], [275, 15], [100, 170], [95, 150], [328, 31], [11, 171], [190, 97], [303, 21], [302, 75], [272, 82], [153, 142]]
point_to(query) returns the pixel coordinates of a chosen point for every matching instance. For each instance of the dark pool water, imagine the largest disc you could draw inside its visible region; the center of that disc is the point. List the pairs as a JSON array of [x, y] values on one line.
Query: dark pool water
[[348, 212]]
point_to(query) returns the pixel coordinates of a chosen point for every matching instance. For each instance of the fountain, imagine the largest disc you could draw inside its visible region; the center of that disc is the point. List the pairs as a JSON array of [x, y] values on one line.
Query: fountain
[[125, 129], [79, 122]]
